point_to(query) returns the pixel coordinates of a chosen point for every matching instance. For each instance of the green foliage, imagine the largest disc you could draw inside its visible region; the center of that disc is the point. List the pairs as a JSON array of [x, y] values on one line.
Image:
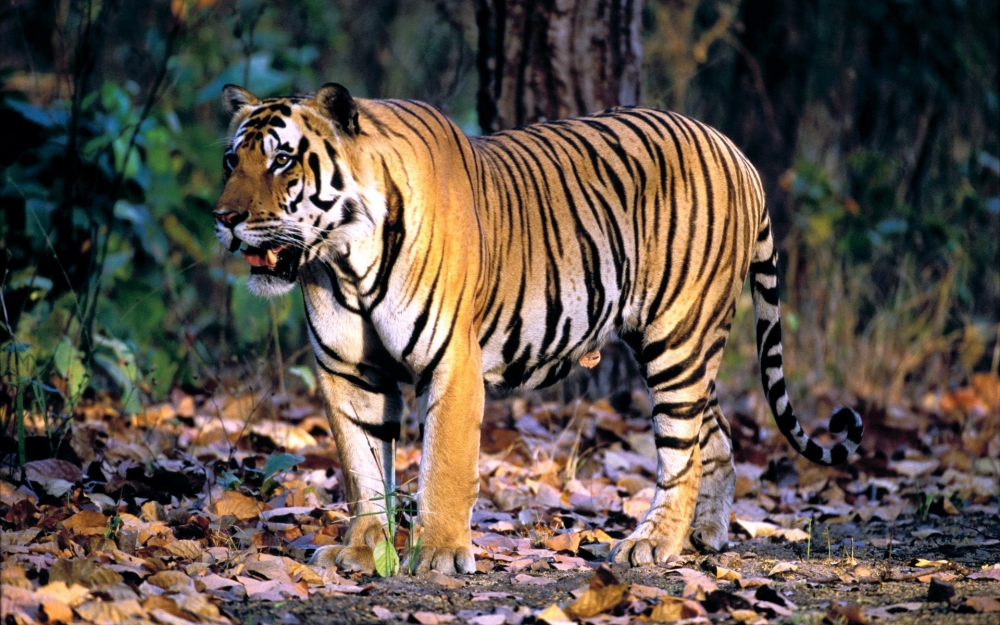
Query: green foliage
[[869, 224], [69, 365], [386, 559], [275, 464], [106, 195]]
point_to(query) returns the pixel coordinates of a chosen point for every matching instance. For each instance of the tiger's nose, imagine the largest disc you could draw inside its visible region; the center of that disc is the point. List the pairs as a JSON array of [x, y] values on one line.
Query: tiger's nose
[[231, 218]]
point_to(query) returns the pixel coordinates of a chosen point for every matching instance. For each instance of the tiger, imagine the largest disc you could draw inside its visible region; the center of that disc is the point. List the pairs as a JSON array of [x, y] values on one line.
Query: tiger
[[456, 263]]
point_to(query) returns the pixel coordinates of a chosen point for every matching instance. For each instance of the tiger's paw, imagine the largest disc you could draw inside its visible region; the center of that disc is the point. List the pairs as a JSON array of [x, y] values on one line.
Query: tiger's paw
[[641, 552], [446, 560], [647, 545], [357, 555], [708, 539]]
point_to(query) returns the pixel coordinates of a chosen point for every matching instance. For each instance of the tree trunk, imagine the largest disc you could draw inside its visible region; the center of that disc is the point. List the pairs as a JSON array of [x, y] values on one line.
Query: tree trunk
[[552, 59]]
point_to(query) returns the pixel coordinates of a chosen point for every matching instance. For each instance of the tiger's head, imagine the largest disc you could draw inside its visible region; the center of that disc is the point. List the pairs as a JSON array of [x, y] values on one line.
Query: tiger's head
[[291, 192]]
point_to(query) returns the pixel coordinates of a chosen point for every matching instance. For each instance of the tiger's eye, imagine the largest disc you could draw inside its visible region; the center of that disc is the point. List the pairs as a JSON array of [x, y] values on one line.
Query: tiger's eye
[[282, 159]]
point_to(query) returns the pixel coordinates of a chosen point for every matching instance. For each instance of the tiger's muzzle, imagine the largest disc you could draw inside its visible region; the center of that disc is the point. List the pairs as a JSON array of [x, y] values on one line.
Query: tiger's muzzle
[[280, 260]]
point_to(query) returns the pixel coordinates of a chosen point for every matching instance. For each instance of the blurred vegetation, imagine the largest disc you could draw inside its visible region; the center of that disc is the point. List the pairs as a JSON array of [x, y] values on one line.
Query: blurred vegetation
[[874, 124]]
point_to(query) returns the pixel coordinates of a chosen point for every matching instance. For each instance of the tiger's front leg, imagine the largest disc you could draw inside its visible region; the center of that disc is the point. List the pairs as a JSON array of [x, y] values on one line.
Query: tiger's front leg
[[449, 466], [364, 423]]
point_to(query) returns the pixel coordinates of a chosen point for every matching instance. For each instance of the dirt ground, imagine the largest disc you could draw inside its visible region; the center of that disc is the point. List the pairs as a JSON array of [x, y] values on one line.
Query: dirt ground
[[885, 583]]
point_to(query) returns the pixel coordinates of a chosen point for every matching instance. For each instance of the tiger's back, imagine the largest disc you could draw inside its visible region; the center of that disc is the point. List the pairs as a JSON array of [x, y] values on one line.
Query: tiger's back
[[590, 211], [425, 256]]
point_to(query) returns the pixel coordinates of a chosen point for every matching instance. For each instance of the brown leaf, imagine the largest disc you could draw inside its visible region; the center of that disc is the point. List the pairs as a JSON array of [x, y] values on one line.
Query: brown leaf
[[19, 538], [553, 615], [696, 583], [383, 613], [647, 592], [567, 541], [849, 613], [726, 574], [782, 567], [45, 471], [239, 505], [153, 511], [54, 611], [604, 593], [84, 572], [166, 604], [173, 581], [190, 549], [58, 591], [441, 579], [200, 605], [15, 576], [674, 609], [110, 611], [979, 604], [87, 522], [744, 616], [753, 582], [271, 590], [991, 573], [18, 605]]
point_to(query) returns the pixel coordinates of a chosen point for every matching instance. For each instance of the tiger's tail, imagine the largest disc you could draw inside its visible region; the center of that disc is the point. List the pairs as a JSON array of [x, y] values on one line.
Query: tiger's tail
[[764, 286]]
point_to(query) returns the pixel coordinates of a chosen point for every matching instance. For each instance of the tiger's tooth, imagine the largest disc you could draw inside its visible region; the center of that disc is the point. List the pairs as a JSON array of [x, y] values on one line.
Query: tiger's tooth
[[272, 258]]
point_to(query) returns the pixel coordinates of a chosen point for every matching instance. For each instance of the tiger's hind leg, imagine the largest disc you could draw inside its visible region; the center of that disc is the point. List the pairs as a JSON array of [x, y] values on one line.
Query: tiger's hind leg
[[675, 375], [710, 529]]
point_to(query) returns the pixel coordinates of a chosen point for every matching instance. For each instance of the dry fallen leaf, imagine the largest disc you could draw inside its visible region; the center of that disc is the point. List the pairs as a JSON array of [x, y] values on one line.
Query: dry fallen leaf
[[782, 567], [553, 615], [567, 541], [991, 573], [604, 593], [979, 605], [51, 469], [87, 522], [696, 584], [239, 505], [673, 609], [848, 614], [726, 574], [110, 611], [190, 549], [431, 618], [744, 616], [441, 579], [383, 613]]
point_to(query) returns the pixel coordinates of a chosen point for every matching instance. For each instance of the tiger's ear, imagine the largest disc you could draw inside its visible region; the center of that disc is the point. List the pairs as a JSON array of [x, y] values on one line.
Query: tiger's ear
[[336, 101], [236, 98]]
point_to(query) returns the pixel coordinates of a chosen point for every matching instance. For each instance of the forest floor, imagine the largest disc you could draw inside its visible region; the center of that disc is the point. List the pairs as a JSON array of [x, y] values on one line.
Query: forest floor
[[206, 509], [759, 580]]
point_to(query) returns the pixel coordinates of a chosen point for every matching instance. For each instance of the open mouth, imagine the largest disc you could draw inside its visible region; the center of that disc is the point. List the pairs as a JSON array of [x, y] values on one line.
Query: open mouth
[[281, 261]]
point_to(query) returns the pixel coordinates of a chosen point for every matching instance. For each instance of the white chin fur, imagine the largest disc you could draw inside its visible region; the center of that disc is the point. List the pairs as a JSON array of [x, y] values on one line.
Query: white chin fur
[[268, 286]]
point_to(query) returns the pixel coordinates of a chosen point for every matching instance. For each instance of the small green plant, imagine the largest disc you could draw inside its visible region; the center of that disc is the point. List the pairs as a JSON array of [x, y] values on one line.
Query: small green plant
[[113, 528], [924, 503], [398, 505], [809, 540], [275, 464]]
